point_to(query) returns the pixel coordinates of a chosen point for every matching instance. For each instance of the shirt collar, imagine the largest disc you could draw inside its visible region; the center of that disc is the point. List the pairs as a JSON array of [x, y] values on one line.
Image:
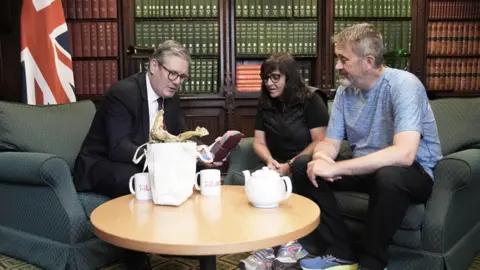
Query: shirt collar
[[151, 95]]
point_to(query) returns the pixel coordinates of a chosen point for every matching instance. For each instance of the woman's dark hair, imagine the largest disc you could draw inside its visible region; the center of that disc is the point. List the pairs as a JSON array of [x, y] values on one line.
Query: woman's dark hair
[[295, 87]]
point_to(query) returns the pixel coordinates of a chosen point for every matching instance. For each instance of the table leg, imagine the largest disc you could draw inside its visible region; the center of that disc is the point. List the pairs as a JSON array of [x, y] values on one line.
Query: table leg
[[208, 262]]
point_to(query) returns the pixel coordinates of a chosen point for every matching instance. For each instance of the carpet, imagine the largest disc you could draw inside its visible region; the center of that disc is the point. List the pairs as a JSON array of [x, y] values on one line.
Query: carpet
[[224, 262]]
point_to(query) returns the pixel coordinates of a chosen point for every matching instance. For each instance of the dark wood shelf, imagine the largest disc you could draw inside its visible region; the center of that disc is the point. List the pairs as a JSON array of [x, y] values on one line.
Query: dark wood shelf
[[92, 20], [94, 58], [247, 95], [453, 19], [264, 56], [453, 55], [193, 56], [201, 96], [187, 19], [432, 94], [276, 19], [373, 18]]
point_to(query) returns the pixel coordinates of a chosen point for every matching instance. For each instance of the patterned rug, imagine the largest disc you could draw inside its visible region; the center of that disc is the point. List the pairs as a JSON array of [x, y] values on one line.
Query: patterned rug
[[224, 262]]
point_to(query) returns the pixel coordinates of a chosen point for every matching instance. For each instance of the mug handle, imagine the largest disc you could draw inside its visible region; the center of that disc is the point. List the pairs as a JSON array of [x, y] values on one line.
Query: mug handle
[[196, 182], [288, 182], [130, 184]]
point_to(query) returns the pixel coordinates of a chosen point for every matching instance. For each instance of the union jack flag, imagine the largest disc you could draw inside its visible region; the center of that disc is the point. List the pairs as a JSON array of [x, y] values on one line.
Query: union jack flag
[[45, 54]]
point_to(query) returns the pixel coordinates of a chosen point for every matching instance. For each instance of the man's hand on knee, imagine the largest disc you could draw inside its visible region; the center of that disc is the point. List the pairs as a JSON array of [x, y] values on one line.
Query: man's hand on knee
[[321, 168]]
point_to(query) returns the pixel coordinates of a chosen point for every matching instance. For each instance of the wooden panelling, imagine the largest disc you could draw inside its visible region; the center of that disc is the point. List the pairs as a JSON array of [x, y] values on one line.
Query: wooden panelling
[[213, 119], [245, 120]]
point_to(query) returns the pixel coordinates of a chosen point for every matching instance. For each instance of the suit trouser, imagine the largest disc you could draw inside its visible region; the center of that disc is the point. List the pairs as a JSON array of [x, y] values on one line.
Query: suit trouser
[[111, 178], [391, 190]]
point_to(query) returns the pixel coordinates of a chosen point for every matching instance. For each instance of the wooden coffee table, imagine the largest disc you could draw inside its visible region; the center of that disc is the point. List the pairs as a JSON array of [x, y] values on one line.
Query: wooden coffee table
[[203, 226]]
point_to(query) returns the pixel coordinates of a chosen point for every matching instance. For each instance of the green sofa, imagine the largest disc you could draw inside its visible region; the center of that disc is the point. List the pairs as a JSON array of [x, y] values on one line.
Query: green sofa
[[43, 220], [444, 233]]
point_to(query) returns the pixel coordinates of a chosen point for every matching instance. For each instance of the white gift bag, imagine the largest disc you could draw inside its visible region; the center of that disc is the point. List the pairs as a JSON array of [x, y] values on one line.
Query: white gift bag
[[172, 168]]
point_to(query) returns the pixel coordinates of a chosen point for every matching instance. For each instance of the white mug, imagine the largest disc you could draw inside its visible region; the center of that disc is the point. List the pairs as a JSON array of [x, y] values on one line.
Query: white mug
[[209, 182], [142, 189]]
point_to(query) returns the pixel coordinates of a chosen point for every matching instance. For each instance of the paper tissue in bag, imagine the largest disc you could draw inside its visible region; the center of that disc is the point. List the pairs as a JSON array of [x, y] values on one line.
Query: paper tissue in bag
[[171, 162]]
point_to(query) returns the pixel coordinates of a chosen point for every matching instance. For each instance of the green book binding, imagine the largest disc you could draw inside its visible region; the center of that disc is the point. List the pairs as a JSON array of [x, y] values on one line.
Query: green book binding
[[261, 37], [251, 8], [258, 9], [289, 8], [239, 7], [214, 8], [138, 8]]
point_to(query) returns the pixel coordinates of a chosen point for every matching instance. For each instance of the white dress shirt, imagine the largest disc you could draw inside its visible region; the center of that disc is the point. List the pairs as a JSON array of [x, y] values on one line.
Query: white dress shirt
[[152, 103]]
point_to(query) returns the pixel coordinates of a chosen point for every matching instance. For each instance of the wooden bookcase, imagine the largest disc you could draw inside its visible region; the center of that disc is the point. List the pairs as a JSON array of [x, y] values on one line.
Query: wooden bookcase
[[95, 28], [241, 23], [453, 48]]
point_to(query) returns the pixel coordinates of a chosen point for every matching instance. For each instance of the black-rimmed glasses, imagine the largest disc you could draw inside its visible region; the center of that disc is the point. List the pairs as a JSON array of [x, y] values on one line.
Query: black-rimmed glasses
[[173, 75], [274, 77]]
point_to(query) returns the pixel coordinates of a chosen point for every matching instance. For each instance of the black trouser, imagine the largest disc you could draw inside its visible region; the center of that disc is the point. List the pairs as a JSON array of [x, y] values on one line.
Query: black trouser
[[112, 178], [391, 189]]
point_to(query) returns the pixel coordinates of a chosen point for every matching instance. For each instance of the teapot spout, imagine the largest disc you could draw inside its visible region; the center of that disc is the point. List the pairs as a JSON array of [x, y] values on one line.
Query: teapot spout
[[247, 175]]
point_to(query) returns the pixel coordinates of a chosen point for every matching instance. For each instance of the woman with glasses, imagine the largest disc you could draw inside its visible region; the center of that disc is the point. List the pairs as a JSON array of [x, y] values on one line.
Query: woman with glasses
[[291, 118]]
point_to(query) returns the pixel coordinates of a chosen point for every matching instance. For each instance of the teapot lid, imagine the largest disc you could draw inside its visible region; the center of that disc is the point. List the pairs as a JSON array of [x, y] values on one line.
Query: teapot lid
[[265, 172]]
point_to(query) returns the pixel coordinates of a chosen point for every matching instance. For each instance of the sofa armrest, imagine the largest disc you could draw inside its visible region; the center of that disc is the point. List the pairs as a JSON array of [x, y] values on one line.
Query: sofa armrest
[[41, 196], [243, 157], [450, 212]]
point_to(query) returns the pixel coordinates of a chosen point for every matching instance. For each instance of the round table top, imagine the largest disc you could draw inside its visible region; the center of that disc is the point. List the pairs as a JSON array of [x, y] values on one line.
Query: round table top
[[203, 225]]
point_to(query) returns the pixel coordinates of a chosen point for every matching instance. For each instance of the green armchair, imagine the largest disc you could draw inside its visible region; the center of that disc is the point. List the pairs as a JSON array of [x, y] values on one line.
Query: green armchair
[[444, 233], [43, 220]]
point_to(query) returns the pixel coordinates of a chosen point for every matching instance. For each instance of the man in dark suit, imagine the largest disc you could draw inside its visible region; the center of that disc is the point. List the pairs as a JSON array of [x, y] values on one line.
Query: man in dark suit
[[124, 119], [123, 123]]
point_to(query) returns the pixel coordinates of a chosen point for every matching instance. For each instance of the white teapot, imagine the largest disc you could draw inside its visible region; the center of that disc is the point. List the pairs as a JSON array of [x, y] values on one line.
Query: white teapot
[[265, 188]]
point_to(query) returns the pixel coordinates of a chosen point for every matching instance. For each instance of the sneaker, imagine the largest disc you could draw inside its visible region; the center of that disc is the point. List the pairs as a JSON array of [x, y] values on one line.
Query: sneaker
[[291, 252], [327, 262], [259, 260]]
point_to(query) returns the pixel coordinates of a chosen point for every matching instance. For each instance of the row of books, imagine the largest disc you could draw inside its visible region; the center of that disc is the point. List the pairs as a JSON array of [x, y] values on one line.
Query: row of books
[[457, 38], [373, 8], [276, 8], [266, 37], [453, 74], [94, 77], [396, 34], [93, 39], [90, 9], [176, 8], [454, 9], [200, 38]]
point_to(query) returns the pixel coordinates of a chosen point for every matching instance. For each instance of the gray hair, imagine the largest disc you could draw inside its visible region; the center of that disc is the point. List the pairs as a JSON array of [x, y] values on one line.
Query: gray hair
[[171, 48], [365, 40]]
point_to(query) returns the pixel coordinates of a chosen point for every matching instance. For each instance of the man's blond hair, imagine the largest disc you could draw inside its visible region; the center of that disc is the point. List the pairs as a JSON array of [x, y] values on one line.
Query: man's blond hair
[[365, 39]]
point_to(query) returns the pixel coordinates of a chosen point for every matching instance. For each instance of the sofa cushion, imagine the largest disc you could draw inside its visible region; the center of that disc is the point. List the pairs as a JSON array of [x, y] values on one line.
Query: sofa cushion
[[52, 129], [354, 205], [457, 122]]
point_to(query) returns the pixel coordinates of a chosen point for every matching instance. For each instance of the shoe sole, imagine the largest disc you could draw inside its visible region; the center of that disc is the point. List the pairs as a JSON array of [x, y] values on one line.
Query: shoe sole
[[340, 267], [226, 147], [291, 261]]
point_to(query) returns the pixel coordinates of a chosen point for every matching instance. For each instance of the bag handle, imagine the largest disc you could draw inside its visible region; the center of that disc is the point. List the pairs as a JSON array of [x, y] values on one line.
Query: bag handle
[[136, 159]]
